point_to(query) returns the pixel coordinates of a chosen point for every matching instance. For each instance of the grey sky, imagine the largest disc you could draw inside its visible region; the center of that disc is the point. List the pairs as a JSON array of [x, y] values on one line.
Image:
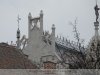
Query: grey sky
[[58, 12]]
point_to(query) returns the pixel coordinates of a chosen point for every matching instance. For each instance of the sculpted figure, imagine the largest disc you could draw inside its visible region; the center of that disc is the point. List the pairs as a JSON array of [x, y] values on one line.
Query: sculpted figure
[[97, 12]]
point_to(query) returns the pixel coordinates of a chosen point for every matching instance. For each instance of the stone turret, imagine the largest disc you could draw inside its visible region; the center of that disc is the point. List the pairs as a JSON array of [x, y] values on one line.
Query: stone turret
[[29, 24]]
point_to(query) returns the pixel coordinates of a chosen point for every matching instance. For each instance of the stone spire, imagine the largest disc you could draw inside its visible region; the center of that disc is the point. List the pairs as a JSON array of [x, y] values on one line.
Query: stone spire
[[18, 34], [53, 37], [96, 24], [94, 49], [41, 21], [29, 24]]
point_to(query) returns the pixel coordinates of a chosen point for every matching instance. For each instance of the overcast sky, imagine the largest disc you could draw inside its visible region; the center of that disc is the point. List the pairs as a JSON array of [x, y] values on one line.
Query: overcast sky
[[58, 12]]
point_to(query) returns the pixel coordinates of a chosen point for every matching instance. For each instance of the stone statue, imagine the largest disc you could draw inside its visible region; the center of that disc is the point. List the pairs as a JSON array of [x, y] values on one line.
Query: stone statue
[[97, 12]]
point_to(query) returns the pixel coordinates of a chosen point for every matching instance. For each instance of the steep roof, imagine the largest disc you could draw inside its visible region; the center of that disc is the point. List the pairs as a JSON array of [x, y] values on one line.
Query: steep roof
[[12, 58], [70, 56], [63, 50]]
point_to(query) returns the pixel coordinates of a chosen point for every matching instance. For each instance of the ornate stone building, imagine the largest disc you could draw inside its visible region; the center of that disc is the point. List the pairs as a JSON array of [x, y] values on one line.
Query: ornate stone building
[[45, 48]]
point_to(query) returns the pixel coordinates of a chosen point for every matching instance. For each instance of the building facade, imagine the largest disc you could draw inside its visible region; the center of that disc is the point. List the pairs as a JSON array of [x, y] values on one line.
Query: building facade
[[45, 48]]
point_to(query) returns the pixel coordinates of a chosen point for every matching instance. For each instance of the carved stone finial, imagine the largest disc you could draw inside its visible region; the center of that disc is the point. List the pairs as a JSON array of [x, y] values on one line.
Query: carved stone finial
[[53, 26], [29, 14], [41, 12], [18, 20]]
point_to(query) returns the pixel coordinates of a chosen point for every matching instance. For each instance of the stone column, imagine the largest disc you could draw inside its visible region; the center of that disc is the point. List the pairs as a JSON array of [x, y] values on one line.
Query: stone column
[[96, 24]]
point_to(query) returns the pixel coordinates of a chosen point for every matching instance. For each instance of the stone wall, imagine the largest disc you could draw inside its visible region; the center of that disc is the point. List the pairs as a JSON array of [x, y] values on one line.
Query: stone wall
[[49, 72]]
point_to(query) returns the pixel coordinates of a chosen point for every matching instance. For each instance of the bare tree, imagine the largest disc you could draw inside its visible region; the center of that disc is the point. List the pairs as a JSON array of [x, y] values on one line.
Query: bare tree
[[76, 58], [77, 34]]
